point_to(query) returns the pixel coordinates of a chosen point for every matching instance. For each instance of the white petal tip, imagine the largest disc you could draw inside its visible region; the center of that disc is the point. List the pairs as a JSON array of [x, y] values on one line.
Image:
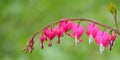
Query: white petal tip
[[101, 49], [90, 39], [76, 41]]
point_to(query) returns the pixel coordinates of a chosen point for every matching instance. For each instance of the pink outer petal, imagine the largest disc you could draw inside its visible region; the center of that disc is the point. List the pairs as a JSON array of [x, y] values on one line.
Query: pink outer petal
[[105, 39], [66, 25], [77, 30], [113, 37], [102, 38], [45, 31], [94, 31], [89, 28], [50, 33], [42, 38], [59, 31], [98, 37]]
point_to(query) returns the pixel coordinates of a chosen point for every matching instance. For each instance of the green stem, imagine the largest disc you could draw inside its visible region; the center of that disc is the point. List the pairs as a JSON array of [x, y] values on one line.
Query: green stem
[[115, 19]]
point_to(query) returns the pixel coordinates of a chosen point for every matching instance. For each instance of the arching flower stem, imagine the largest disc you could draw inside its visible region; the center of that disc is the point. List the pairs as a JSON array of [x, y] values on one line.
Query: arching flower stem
[[75, 19], [81, 19]]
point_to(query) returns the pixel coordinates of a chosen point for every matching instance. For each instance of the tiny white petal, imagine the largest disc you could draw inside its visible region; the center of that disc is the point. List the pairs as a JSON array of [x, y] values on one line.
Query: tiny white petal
[[76, 41], [90, 39], [101, 49]]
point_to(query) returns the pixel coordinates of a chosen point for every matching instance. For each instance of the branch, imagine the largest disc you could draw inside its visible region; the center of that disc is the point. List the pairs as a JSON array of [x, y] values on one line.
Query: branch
[[115, 19], [81, 19], [31, 41], [103, 25]]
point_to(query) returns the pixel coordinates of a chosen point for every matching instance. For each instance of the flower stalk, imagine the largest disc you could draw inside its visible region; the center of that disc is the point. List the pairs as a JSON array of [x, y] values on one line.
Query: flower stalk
[[75, 19], [80, 19], [102, 38]]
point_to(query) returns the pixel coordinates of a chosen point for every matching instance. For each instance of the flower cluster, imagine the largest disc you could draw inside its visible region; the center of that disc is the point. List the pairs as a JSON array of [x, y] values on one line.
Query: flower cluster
[[102, 39], [64, 27]]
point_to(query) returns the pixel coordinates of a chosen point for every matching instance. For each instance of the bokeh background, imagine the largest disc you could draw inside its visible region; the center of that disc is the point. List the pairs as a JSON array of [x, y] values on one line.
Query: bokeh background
[[19, 19]]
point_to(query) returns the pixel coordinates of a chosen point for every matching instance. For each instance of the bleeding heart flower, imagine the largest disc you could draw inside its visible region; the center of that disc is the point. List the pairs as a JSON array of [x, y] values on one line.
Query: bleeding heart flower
[[92, 30], [113, 37], [66, 25], [77, 31], [59, 32], [102, 39], [30, 45], [50, 34], [42, 39], [89, 28], [45, 31]]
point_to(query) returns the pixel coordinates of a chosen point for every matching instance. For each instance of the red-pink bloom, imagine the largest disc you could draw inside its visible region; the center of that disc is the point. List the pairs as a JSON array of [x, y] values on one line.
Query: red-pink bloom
[[45, 32], [102, 39], [77, 31], [92, 30], [113, 37], [89, 28], [30, 45], [66, 25], [59, 32], [42, 39], [50, 34]]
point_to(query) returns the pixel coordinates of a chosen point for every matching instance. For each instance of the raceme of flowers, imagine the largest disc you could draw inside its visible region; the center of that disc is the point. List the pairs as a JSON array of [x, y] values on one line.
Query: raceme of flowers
[[103, 39]]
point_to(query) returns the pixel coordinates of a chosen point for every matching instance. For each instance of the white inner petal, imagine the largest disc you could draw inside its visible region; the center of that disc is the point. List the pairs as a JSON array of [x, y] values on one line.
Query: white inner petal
[[90, 39], [76, 41], [101, 49]]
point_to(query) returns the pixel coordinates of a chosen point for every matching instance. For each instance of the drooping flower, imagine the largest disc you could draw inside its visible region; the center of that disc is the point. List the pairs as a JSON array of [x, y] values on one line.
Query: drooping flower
[[66, 24], [42, 39], [89, 28], [92, 30], [59, 32], [45, 31], [50, 34], [77, 31], [30, 45], [102, 39], [112, 39]]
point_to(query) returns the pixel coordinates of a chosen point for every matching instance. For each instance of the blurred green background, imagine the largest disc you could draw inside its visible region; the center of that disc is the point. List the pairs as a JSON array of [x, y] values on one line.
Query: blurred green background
[[19, 19]]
